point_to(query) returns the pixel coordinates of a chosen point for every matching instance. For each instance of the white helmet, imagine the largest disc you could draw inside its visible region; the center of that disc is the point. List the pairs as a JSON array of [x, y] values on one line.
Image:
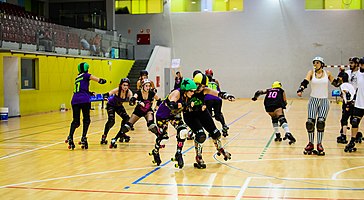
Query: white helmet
[[318, 58]]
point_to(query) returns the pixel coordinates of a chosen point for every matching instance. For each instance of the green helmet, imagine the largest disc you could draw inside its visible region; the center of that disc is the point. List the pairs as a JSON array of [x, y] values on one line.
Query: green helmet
[[188, 84], [83, 67]]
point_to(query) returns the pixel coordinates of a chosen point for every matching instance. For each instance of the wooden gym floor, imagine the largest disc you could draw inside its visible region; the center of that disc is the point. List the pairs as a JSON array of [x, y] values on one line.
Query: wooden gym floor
[[35, 163]]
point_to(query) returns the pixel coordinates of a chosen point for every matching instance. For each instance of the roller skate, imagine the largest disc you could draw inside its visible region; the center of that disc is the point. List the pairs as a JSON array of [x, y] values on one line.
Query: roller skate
[[309, 149], [227, 155], [124, 138], [320, 150], [341, 139], [200, 164], [350, 147], [160, 138], [113, 143], [71, 144], [83, 143], [156, 157], [224, 130], [278, 137], [103, 139], [359, 137], [290, 137], [179, 159]]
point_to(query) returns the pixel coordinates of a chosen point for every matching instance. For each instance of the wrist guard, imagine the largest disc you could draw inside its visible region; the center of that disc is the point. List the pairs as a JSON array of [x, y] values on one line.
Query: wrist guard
[[102, 81], [159, 102], [336, 82], [132, 101], [225, 95], [303, 85], [106, 95], [257, 94]]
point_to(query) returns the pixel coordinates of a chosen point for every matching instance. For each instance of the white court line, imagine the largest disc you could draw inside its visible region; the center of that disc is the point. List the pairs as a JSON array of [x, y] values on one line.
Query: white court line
[[243, 188], [345, 170], [73, 176], [42, 147]]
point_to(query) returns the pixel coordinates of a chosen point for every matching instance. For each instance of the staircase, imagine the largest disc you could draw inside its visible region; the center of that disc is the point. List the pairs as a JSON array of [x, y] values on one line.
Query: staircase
[[135, 72]]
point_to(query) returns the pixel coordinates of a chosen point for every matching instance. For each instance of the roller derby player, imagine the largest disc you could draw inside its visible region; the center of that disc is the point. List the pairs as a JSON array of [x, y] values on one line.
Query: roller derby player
[[358, 110], [198, 118], [214, 104], [81, 102], [170, 111], [144, 75], [347, 94], [318, 104], [116, 98], [274, 102], [144, 99]]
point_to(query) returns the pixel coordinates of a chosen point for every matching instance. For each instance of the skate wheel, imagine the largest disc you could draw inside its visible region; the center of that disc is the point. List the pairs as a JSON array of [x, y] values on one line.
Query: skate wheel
[[345, 150], [153, 162], [79, 143], [66, 141], [218, 153], [176, 165], [162, 146]]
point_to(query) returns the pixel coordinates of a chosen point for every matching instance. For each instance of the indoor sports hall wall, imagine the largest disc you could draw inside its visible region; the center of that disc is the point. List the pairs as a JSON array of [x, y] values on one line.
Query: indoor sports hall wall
[[56, 76], [269, 40]]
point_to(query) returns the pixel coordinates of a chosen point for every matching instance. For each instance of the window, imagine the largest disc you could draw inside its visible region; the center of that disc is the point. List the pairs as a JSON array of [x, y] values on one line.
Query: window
[[206, 5], [28, 73], [334, 4], [138, 6]]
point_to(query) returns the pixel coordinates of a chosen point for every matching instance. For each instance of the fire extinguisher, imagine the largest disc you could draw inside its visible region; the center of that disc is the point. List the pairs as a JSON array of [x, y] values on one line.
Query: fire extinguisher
[[158, 81]]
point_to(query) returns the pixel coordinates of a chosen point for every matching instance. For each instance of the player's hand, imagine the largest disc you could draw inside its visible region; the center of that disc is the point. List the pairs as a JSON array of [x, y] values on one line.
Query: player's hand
[[299, 94]]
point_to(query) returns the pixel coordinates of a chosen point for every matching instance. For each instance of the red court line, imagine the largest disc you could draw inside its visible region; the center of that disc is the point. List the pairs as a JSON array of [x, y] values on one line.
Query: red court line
[[166, 194]]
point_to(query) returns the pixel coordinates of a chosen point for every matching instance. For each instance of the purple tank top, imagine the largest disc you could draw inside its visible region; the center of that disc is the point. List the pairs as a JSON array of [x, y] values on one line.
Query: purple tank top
[[81, 93], [164, 112], [115, 100]]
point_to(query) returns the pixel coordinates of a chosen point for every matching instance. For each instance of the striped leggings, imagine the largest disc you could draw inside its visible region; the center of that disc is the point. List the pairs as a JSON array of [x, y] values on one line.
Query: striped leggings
[[318, 108]]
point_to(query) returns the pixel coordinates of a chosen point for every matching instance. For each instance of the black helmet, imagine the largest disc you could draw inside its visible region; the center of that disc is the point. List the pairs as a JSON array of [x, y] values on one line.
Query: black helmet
[[344, 76], [196, 72], [124, 80], [143, 73], [361, 61], [354, 59]]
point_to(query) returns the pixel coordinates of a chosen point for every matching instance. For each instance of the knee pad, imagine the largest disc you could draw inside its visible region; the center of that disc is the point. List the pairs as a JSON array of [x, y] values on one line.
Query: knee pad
[[320, 125], [153, 128], [274, 120], [126, 128], [200, 136], [282, 120], [355, 121], [182, 134], [216, 134], [310, 125]]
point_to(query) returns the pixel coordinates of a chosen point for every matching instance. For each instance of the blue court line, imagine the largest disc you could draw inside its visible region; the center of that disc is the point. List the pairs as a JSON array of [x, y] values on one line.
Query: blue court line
[[164, 164], [192, 185], [287, 188]]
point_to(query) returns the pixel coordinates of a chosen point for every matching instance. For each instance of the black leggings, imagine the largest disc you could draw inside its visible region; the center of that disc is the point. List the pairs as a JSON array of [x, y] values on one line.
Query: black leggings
[[198, 120], [111, 110], [216, 105], [76, 109]]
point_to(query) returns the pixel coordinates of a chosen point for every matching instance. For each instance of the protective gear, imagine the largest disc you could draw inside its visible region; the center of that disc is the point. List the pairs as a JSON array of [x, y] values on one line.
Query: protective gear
[[188, 84], [320, 125], [201, 79], [355, 121], [277, 84], [145, 81], [159, 102], [361, 60], [152, 127], [182, 132], [274, 120], [83, 67], [354, 59], [196, 72], [172, 104], [126, 127], [303, 85], [282, 120], [132, 101], [124, 80], [337, 82], [209, 72], [310, 125], [143, 73], [200, 136], [216, 134], [106, 95], [318, 58], [102, 81], [225, 95], [257, 94]]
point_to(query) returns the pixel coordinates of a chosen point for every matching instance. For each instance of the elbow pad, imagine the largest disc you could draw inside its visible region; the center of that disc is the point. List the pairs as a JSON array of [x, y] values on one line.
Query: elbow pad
[[106, 95], [132, 101], [102, 81], [348, 96], [303, 85], [336, 82], [159, 102], [257, 94], [172, 105]]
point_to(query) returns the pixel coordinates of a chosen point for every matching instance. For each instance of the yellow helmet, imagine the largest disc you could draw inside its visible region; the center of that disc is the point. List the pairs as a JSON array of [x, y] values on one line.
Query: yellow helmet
[[201, 79], [277, 84]]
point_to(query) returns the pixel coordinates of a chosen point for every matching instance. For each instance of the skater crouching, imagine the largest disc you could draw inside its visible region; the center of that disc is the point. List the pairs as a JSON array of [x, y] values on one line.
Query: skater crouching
[[274, 102]]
